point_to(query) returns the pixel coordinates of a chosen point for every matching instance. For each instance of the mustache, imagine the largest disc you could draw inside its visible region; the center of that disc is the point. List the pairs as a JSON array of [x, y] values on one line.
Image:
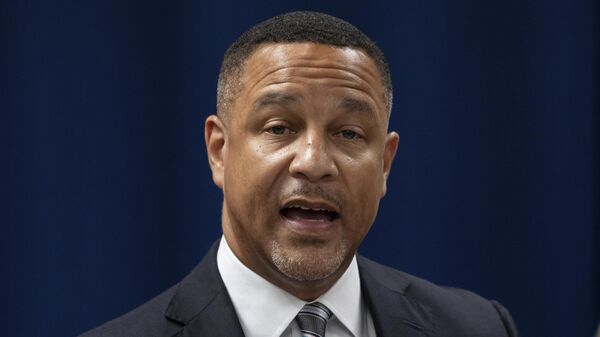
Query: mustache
[[311, 191]]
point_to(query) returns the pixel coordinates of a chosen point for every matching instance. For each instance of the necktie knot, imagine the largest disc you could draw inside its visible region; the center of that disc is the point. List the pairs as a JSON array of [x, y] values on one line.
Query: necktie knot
[[312, 319]]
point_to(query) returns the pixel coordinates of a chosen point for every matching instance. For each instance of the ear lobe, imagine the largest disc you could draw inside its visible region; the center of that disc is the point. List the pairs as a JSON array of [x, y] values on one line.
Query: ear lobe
[[215, 138], [389, 152]]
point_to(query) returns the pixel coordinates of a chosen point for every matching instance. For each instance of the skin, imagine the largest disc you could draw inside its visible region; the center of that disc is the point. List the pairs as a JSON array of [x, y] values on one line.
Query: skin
[[308, 128]]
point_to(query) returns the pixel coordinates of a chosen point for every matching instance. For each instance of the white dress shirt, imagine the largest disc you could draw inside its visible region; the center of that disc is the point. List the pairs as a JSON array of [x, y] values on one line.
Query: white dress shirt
[[264, 310]]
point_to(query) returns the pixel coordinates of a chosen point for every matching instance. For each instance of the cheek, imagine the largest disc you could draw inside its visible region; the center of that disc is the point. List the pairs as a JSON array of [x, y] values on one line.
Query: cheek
[[365, 184], [251, 175], [238, 181]]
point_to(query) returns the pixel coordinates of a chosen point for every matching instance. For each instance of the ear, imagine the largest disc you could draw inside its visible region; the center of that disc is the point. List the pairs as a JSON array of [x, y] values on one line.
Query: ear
[[215, 137], [389, 152]]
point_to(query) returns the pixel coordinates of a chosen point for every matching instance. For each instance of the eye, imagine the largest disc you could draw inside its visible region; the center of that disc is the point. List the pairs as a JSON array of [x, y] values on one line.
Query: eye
[[349, 134], [280, 130]]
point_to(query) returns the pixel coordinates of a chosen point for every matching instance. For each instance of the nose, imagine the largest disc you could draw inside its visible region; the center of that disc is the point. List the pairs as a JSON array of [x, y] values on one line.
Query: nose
[[313, 160]]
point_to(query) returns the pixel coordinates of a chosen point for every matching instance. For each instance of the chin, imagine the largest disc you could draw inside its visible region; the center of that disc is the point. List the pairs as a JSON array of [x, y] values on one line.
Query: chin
[[308, 262]]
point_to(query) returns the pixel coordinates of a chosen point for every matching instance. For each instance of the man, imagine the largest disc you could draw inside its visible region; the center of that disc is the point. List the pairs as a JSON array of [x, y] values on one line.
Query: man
[[301, 151]]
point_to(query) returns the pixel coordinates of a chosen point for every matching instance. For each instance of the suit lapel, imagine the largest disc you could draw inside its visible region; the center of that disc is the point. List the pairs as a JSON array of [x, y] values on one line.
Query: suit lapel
[[217, 319], [201, 303], [394, 313]]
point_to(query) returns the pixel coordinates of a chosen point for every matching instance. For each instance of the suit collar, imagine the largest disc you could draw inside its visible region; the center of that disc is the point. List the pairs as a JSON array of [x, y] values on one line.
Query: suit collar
[[394, 312], [201, 303]]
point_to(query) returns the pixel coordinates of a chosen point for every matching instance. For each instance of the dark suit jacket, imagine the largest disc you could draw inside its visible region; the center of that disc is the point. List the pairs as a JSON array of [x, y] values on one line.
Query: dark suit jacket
[[400, 304]]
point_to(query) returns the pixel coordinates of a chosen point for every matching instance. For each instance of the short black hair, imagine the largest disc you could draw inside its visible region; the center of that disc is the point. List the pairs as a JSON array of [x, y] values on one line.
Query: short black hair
[[301, 26]]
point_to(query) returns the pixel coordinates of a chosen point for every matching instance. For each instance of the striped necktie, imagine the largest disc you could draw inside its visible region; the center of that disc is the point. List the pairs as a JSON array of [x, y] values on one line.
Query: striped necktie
[[312, 319]]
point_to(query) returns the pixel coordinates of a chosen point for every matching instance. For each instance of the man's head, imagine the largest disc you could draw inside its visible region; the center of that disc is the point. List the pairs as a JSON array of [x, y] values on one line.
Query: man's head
[[300, 147], [289, 28]]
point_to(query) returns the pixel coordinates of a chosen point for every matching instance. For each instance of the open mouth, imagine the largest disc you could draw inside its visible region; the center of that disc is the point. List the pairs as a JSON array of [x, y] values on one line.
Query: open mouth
[[303, 213]]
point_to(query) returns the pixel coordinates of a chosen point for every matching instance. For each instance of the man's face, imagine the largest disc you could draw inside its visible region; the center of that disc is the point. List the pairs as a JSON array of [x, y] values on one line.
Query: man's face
[[302, 159]]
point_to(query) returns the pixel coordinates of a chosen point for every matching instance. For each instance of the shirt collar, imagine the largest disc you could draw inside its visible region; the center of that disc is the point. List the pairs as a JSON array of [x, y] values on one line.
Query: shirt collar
[[266, 310]]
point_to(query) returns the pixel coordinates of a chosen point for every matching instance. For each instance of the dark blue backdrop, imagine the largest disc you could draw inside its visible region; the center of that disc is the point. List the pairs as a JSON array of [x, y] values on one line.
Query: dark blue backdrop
[[106, 192]]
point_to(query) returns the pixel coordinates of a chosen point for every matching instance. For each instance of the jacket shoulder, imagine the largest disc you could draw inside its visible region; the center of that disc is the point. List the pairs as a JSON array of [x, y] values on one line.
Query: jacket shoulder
[[147, 320], [455, 311]]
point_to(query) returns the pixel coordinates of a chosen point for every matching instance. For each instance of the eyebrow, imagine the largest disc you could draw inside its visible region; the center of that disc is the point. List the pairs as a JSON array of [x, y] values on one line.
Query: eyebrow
[[277, 98], [285, 99], [357, 105]]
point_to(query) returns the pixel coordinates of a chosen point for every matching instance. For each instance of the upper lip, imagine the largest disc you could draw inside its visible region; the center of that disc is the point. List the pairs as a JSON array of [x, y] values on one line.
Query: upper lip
[[317, 205]]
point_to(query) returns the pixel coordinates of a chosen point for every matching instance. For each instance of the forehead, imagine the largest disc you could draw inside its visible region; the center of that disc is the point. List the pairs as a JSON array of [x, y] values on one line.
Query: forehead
[[276, 64], [288, 53]]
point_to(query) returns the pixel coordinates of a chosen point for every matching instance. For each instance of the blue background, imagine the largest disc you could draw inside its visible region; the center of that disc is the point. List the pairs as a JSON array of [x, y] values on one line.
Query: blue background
[[106, 192]]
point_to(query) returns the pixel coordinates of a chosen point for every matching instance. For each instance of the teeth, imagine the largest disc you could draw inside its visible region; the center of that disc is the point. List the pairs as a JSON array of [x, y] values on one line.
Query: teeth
[[308, 208]]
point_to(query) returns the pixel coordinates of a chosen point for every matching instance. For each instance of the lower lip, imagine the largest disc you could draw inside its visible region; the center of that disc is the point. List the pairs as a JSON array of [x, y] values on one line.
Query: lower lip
[[309, 227]]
